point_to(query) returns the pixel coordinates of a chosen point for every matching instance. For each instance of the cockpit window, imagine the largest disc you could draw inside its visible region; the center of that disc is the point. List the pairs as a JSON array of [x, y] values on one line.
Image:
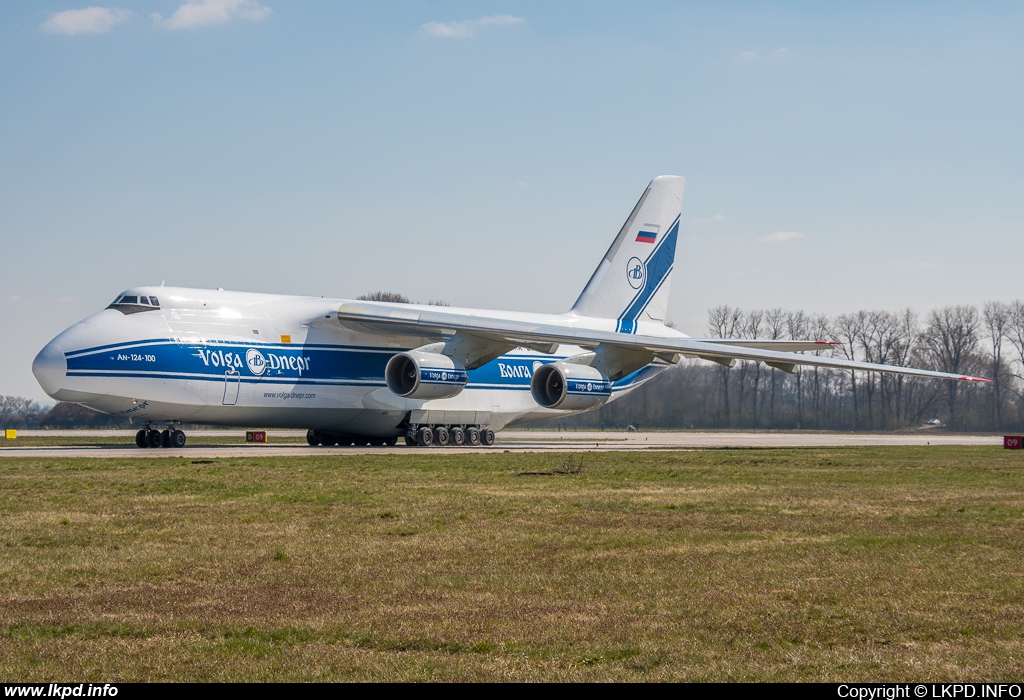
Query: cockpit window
[[133, 304]]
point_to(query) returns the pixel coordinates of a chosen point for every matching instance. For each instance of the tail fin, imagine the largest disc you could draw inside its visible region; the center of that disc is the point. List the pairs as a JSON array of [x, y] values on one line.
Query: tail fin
[[631, 283]]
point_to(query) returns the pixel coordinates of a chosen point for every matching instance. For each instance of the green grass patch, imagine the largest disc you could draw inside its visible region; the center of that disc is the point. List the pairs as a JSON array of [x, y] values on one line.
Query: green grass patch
[[830, 564]]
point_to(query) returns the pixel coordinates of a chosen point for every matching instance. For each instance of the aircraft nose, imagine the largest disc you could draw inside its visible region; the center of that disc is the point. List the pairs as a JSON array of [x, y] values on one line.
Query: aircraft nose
[[50, 368]]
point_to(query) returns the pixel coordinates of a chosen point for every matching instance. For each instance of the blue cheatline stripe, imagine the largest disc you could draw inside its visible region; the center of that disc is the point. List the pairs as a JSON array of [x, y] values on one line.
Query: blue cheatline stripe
[[349, 366], [126, 345], [658, 266], [120, 346], [239, 378], [224, 344], [617, 386]]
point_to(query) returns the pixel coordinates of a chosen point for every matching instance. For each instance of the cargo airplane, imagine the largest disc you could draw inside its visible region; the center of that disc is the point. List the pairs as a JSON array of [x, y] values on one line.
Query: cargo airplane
[[365, 372]]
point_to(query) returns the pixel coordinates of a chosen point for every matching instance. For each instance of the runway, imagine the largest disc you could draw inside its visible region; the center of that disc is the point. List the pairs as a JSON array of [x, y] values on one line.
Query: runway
[[511, 441]]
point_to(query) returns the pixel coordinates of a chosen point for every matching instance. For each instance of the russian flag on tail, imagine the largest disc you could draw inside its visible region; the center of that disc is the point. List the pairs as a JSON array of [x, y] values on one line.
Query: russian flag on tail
[[646, 236]]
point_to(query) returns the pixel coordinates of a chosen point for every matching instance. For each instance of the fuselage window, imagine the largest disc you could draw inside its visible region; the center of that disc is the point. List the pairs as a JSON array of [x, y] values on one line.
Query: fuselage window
[[154, 301]]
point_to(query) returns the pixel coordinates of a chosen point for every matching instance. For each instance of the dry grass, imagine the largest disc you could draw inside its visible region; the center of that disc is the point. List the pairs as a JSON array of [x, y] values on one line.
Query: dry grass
[[775, 564]]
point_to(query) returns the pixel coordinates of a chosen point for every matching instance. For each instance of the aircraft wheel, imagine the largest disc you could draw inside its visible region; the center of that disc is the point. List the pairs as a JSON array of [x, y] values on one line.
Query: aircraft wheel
[[165, 438], [458, 436], [487, 437], [153, 438], [177, 438], [312, 438], [141, 440], [473, 436], [391, 441], [424, 437], [410, 438], [328, 440], [441, 436]]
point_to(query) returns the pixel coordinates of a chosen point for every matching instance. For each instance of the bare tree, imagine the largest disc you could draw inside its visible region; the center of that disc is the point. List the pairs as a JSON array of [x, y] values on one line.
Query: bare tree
[[796, 328], [752, 325], [1015, 334], [393, 297], [724, 322], [775, 326], [901, 348], [17, 411], [951, 338], [849, 329], [997, 320]]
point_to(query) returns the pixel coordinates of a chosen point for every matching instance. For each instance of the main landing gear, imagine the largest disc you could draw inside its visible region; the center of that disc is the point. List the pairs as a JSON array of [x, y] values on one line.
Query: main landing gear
[[449, 436], [151, 437], [328, 438], [418, 435]]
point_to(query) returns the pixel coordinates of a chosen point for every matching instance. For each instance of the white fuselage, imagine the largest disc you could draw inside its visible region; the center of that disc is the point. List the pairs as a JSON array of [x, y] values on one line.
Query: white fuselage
[[237, 358]]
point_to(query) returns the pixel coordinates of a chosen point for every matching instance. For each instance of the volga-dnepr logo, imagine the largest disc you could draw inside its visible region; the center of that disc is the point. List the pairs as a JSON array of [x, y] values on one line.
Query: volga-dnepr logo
[[256, 362], [636, 273], [259, 362]]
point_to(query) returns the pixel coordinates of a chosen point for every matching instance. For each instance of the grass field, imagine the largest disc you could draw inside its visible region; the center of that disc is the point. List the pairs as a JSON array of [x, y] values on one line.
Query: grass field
[[736, 564]]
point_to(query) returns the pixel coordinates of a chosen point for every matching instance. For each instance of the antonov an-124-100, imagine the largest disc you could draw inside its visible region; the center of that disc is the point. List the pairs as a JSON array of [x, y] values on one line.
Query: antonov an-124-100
[[365, 372]]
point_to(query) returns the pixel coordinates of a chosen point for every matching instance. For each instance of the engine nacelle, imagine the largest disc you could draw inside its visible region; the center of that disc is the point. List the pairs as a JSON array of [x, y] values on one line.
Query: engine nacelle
[[425, 375], [569, 387]]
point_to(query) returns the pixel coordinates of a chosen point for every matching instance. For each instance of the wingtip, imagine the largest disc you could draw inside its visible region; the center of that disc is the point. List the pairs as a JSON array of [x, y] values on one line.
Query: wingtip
[[976, 379]]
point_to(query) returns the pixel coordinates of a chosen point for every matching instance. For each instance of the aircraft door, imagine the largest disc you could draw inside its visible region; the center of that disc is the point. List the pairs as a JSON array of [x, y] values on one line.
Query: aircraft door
[[232, 379]]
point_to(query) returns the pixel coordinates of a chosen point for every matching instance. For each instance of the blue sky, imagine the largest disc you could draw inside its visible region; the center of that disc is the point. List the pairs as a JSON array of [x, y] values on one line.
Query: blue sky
[[838, 157]]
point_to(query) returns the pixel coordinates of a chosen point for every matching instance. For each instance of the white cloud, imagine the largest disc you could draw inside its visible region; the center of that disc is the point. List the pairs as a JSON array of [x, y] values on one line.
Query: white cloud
[[14, 297], [468, 28], [202, 13], [782, 237], [90, 20], [714, 218], [750, 57]]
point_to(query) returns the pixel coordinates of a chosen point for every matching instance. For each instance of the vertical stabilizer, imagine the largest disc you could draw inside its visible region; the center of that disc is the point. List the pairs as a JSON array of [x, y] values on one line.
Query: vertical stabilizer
[[631, 283]]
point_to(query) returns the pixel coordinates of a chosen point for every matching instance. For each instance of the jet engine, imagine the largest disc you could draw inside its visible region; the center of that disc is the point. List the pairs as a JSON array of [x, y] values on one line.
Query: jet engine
[[569, 386], [425, 375]]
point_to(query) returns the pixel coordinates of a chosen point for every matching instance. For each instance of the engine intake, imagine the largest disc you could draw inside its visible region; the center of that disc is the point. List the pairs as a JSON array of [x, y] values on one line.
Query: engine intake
[[569, 387], [425, 375]]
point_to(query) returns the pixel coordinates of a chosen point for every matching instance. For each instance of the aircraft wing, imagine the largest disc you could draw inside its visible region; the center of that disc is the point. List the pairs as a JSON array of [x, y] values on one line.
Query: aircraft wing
[[416, 321], [780, 345]]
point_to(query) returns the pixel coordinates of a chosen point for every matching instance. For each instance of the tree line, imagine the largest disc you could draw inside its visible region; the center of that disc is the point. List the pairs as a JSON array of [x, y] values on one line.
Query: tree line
[[18, 412], [963, 339]]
